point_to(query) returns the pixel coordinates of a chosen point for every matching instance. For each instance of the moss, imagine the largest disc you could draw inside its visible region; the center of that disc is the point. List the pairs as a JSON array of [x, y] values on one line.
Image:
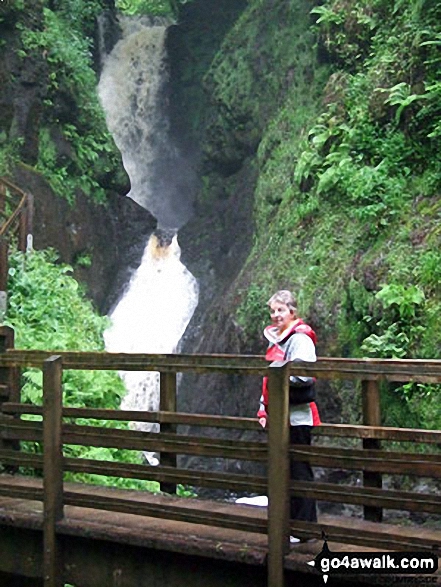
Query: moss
[[59, 126]]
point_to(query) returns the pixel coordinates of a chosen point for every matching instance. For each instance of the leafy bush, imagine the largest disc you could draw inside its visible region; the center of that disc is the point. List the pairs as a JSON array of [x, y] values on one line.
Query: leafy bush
[[399, 333], [153, 7], [48, 310], [71, 103]]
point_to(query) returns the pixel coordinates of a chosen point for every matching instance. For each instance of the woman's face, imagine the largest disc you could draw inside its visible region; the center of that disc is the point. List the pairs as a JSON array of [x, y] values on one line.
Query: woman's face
[[281, 315]]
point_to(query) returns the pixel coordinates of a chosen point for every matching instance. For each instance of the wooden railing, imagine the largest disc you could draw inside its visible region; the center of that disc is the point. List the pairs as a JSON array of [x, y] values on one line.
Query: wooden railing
[[273, 448], [16, 218]]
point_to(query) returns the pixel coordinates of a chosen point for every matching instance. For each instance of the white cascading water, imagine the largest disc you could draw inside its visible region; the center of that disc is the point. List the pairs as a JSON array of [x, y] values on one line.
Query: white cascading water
[[162, 295]]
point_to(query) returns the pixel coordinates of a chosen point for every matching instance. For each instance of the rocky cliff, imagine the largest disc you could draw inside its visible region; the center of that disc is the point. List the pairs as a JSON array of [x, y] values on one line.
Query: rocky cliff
[[45, 105], [316, 130]]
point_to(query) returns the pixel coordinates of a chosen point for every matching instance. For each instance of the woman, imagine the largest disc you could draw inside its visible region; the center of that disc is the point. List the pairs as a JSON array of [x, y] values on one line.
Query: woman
[[291, 339]]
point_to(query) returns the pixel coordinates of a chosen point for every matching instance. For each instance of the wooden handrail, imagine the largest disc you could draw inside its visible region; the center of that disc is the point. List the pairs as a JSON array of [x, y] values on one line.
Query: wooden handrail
[[5, 227], [390, 433], [8, 183], [421, 370]]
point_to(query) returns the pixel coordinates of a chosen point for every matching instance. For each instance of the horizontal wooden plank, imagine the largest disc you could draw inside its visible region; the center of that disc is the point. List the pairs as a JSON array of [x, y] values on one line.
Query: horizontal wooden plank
[[183, 510], [389, 499], [326, 368], [199, 363], [20, 458], [333, 430], [391, 462], [140, 441], [378, 432], [188, 477], [344, 530], [383, 498], [141, 416], [382, 538], [21, 492], [167, 512]]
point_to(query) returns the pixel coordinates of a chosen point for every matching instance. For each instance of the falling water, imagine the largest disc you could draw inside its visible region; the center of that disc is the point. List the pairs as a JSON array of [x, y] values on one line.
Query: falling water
[[162, 294]]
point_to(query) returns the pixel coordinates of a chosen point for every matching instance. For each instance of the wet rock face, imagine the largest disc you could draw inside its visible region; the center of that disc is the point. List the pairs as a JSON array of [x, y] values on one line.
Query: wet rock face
[[23, 80], [103, 243]]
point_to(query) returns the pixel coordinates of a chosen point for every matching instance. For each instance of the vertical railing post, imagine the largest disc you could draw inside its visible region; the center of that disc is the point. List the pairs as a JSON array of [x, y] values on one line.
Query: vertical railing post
[[167, 403], [371, 417], [278, 471], [29, 222], [9, 376], [53, 470], [22, 228], [9, 387]]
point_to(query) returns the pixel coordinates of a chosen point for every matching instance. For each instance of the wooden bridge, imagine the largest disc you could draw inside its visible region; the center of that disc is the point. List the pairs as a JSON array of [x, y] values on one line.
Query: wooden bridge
[[54, 532]]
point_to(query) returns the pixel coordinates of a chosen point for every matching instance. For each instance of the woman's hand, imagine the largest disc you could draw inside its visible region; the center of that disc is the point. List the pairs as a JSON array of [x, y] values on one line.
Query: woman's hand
[[262, 422]]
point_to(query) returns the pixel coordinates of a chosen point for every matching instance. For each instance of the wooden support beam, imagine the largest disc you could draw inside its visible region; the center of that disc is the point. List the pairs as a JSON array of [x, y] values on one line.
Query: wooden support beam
[[371, 417], [167, 403], [9, 387], [4, 265], [53, 470], [29, 222], [278, 471], [22, 229], [162, 417]]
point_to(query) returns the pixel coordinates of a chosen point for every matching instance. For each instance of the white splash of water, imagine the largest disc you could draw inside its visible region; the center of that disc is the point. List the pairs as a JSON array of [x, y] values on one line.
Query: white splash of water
[[162, 295], [151, 318]]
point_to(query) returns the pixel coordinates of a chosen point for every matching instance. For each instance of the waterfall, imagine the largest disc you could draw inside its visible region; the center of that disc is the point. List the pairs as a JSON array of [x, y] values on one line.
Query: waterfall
[[161, 297]]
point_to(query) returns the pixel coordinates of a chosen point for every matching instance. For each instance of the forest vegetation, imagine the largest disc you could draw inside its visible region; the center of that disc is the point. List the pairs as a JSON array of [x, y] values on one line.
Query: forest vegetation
[[332, 113]]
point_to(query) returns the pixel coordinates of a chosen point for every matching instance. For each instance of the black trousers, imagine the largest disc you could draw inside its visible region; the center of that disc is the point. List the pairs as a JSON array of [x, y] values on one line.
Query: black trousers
[[301, 508]]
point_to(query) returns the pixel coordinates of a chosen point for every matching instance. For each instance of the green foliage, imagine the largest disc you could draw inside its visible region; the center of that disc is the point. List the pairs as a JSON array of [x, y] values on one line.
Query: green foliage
[[83, 260], [48, 311], [132, 7], [346, 28], [47, 306], [403, 300], [429, 270], [9, 153], [422, 401], [252, 307], [347, 194], [250, 92], [79, 15], [71, 107], [153, 7], [399, 332], [401, 95]]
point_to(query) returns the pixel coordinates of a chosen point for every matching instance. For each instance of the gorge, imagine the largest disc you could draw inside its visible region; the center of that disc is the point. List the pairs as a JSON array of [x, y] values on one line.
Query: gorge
[[311, 139]]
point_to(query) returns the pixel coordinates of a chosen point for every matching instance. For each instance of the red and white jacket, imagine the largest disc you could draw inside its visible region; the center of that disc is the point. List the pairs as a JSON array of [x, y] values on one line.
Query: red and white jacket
[[298, 343]]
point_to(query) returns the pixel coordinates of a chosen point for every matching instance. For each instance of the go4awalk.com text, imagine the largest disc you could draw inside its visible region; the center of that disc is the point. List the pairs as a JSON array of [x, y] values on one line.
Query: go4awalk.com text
[[396, 563]]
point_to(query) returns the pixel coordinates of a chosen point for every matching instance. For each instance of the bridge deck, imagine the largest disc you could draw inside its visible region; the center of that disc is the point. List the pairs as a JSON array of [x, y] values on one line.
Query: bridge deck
[[180, 537]]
